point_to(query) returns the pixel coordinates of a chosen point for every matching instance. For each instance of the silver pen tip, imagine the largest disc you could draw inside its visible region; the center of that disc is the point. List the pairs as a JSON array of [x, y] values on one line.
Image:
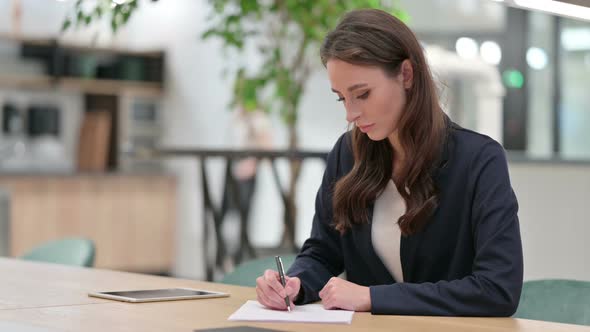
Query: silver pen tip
[[289, 309]]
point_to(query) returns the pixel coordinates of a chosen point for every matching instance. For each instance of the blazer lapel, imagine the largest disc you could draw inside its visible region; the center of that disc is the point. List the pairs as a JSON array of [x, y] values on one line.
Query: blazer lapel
[[408, 247], [410, 244], [363, 241]]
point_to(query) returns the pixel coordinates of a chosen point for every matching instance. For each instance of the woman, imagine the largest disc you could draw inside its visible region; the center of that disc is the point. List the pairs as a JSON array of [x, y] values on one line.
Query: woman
[[418, 212]]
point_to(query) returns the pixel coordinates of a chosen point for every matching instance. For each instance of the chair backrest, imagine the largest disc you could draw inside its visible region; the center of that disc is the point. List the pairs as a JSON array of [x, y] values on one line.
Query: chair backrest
[[246, 273], [71, 251], [556, 300]]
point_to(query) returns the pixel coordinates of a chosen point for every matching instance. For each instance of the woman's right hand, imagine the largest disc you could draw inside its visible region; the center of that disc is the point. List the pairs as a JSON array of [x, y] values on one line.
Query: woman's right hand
[[270, 291]]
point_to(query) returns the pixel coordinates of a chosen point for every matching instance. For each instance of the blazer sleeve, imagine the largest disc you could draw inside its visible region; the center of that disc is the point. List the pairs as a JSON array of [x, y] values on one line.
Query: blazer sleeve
[[494, 287], [320, 257]]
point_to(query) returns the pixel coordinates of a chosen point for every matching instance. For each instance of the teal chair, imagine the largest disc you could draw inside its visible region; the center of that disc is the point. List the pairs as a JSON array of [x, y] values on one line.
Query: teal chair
[[563, 301], [71, 251], [246, 273]]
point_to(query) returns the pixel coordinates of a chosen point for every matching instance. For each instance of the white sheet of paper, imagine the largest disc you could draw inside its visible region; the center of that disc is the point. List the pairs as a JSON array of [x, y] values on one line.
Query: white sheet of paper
[[309, 313]]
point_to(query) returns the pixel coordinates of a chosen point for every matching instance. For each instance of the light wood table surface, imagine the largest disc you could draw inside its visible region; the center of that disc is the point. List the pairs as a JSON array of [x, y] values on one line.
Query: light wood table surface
[[55, 297]]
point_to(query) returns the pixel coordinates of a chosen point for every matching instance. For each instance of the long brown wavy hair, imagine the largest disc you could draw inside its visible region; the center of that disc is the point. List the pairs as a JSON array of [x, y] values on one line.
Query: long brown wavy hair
[[373, 37]]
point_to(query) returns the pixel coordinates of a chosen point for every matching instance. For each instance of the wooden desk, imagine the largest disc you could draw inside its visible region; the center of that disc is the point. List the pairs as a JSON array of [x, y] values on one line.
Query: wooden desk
[[54, 297]]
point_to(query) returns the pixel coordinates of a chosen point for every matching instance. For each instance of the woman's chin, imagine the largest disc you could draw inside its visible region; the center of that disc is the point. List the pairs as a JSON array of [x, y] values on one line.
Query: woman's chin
[[375, 137]]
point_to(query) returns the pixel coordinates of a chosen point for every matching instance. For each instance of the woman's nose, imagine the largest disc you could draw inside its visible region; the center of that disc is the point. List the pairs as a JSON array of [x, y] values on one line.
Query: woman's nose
[[352, 115]]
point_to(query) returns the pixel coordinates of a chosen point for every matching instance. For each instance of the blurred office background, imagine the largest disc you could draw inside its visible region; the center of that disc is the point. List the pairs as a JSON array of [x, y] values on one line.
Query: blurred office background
[[520, 76]]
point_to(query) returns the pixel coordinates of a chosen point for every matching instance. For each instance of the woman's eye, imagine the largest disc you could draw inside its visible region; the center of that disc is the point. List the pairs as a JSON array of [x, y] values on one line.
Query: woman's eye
[[340, 99], [364, 95]]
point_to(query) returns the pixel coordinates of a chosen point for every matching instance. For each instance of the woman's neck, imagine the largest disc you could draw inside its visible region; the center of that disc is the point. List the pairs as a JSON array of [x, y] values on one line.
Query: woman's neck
[[398, 154], [397, 146]]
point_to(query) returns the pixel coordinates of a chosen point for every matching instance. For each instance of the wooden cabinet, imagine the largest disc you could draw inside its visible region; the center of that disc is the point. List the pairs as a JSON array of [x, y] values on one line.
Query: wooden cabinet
[[131, 218]]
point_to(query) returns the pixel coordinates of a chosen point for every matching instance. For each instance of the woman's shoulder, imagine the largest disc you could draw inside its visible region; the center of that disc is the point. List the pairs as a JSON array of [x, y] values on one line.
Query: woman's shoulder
[[470, 146]]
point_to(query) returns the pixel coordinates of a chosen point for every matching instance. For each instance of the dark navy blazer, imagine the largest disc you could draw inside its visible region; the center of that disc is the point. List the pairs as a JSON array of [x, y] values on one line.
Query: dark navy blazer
[[466, 262]]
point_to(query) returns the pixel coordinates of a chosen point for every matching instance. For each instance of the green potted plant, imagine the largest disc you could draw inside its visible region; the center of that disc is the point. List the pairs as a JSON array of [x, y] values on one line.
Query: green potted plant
[[287, 33]]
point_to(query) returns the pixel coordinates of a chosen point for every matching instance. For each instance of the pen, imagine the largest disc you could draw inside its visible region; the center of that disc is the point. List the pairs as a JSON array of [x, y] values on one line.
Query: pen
[[282, 276]]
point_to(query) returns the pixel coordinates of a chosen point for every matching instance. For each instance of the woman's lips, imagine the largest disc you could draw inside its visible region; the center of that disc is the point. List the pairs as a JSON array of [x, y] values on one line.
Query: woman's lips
[[366, 128]]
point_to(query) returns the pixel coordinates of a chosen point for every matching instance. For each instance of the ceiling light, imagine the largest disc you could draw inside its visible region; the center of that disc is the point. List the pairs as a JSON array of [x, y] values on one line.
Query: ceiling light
[[536, 58], [491, 52], [571, 8], [466, 48]]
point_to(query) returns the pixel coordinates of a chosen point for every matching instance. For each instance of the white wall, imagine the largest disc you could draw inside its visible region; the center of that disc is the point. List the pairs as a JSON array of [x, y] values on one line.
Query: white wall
[[552, 199], [554, 220]]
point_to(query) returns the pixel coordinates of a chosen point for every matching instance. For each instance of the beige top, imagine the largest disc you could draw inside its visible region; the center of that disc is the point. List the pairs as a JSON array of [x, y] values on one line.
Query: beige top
[[385, 232]]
